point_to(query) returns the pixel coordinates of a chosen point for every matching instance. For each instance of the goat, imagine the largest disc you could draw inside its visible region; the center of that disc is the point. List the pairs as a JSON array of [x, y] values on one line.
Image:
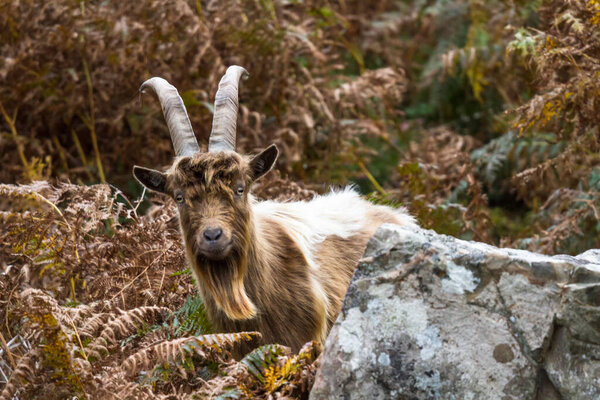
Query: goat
[[280, 268]]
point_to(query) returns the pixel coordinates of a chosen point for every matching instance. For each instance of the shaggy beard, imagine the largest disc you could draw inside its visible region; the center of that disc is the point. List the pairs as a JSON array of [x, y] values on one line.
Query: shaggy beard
[[224, 282]]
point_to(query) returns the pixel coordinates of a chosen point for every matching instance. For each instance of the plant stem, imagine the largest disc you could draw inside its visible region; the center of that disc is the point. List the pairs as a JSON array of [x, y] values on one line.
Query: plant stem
[[61, 153], [92, 122], [199, 9], [15, 135], [371, 178], [10, 356], [81, 154]]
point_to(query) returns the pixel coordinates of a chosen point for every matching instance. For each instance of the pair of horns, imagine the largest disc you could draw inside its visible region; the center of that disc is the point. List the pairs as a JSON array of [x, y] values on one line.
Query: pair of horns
[[222, 135]]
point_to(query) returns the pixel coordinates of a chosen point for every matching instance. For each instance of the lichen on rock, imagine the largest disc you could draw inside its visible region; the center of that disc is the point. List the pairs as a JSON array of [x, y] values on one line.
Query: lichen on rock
[[428, 316]]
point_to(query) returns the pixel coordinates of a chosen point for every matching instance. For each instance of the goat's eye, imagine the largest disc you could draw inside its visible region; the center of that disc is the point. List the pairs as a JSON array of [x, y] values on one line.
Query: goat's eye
[[179, 198], [240, 190]]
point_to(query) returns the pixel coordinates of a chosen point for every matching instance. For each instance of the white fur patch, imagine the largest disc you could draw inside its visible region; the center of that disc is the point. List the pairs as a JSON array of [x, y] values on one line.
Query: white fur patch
[[404, 218], [340, 213]]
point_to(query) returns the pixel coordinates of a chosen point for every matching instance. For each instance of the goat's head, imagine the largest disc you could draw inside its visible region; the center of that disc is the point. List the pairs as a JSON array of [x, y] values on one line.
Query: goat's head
[[211, 190]]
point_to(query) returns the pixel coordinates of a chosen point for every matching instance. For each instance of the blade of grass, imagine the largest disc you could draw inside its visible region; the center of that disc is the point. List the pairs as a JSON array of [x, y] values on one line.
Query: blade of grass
[[61, 153], [81, 154], [91, 123], [199, 9], [13, 130], [78, 337], [371, 178]]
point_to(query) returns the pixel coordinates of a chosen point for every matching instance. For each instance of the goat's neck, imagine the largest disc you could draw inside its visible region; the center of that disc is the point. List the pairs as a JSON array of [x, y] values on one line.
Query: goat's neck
[[234, 284], [261, 255]]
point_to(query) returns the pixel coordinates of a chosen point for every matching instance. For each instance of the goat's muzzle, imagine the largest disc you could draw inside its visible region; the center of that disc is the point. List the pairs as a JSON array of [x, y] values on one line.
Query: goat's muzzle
[[214, 243]]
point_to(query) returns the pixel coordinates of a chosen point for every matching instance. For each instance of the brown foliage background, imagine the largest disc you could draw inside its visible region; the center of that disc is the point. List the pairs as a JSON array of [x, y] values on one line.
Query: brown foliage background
[[480, 116]]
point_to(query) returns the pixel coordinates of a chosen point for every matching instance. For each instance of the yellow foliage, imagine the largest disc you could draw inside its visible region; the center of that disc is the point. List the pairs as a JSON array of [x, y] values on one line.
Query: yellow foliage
[[594, 7], [476, 74]]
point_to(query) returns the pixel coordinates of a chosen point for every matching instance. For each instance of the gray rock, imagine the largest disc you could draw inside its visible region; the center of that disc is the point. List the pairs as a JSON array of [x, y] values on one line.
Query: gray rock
[[428, 316]]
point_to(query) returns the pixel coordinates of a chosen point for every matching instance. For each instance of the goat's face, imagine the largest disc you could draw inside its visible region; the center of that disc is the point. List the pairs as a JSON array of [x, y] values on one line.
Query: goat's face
[[211, 192]]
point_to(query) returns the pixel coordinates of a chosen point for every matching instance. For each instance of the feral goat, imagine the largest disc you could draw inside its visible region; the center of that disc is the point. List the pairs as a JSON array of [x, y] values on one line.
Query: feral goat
[[280, 268]]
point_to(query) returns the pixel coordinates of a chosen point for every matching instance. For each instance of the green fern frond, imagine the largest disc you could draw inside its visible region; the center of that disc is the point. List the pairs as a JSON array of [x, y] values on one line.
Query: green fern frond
[[234, 393], [524, 43], [191, 318], [177, 351], [510, 154], [219, 341], [259, 359], [492, 157]]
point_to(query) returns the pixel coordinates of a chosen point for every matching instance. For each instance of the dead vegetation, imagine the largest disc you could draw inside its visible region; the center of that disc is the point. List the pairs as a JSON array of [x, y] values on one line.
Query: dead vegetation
[[72, 63], [129, 323], [480, 116]]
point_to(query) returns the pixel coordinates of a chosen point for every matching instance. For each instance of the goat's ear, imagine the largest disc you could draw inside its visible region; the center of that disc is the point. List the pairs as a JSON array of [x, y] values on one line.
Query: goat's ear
[[263, 162], [152, 179]]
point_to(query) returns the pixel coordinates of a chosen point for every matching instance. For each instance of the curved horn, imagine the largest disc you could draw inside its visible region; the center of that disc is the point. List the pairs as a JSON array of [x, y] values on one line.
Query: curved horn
[[222, 136], [180, 128]]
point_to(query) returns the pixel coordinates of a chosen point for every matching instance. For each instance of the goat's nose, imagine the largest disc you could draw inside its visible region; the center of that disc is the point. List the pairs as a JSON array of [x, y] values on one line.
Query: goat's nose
[[212, 234]]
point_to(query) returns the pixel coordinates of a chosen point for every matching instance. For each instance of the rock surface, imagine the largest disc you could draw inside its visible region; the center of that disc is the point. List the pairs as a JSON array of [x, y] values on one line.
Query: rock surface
[[428, 316]]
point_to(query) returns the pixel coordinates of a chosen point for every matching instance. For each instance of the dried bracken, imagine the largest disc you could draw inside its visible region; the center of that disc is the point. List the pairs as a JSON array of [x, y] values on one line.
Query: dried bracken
[[177, 351], [479, 116], [86, 55], [122, 326], [118, 345], [565, 57], [20, 377]]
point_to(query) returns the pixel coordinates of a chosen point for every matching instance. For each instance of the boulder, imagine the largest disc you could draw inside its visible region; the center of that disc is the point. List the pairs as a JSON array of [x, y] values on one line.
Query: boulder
[[429, 316]]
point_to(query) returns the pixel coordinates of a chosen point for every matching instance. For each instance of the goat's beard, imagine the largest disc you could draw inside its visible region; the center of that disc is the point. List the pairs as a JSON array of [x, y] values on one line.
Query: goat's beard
[[223, 280]]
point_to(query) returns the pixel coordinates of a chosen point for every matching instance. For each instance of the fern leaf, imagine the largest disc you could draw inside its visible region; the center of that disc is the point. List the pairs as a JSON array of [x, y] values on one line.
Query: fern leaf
[[219, 341], [23, 373], [124, 325], [234, 393], [191, 318], [259, 359], [178, 350], [95, 323]]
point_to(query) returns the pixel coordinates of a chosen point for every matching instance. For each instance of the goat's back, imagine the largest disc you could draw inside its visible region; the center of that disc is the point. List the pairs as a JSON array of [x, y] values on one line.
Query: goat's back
[[330, 234]]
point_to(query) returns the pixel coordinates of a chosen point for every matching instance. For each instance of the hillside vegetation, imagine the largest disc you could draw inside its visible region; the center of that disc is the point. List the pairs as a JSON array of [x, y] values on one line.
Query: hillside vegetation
[[480, 116]]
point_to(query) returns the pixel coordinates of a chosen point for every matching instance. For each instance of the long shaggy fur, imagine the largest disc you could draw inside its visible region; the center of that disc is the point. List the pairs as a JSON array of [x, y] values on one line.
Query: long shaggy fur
[[290, 263]]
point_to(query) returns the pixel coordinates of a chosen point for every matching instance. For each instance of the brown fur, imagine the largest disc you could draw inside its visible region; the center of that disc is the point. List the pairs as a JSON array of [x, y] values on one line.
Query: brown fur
[[265, 283]]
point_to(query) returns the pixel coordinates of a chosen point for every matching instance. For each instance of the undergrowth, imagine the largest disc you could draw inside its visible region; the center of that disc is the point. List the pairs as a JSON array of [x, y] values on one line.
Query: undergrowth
[[480, 116], [97, 304]]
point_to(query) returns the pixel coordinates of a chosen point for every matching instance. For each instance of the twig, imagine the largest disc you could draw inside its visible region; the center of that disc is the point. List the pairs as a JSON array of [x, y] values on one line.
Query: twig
[[140, 200], [13, 130], [81, 154], [4, 376], [120, 193], [10, 356], [91, 124], [142, 273], [61, 153], [77, 335], [162, 279], [73, 289], [371, 178]]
